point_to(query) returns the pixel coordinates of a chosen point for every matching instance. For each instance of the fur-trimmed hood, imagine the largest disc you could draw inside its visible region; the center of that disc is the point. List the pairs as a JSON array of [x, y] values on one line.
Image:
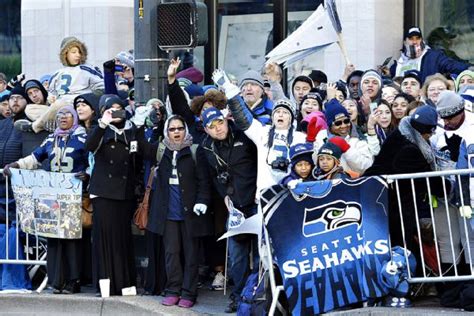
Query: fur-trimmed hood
[[66, 44], [414, 137]]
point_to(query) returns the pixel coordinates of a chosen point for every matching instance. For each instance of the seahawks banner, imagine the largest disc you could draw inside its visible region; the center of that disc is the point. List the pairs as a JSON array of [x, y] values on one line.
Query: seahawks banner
[[330, 240], [49, 204]]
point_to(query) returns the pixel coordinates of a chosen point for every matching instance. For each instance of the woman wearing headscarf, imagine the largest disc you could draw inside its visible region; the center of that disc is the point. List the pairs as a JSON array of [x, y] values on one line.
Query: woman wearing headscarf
[[65, 152], [112, 190], [178, 209]]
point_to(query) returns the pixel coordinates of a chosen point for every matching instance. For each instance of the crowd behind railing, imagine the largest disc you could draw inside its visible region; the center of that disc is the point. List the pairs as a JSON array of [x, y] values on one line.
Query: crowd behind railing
[[233, 138]]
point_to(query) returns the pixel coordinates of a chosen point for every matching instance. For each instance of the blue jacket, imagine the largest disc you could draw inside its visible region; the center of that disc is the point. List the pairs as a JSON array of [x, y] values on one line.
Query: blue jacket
[[435, 61], [263, 111]]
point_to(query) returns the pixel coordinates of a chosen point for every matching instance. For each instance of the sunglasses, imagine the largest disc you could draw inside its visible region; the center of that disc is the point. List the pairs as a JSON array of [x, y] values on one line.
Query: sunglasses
[[176, 129], [339, 123]]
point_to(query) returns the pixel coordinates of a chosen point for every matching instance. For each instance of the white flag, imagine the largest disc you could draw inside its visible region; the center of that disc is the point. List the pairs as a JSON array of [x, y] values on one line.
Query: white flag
[[316, 33], [237, 223]]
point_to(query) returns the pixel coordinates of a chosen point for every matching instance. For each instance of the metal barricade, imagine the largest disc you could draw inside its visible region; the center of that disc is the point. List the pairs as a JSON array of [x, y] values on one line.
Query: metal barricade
[[445, 219], [33, 247]]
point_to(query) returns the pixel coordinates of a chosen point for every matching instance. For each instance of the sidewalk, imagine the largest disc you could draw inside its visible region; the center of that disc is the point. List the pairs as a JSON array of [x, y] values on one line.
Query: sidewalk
[[209, 303]]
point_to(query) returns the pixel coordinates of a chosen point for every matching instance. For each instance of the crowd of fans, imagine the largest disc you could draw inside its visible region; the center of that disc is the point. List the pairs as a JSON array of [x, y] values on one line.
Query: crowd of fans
[[232, 138]]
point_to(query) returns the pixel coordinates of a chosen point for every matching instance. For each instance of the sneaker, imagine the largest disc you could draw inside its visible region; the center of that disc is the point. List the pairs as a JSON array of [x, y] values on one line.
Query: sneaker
[[218, 282], [184, 303], [23, 125], [399, 302], [232, 307], [170, 300]]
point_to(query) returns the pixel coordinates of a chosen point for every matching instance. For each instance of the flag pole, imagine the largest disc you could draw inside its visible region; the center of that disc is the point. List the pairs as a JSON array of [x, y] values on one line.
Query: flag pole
[[343, 48]]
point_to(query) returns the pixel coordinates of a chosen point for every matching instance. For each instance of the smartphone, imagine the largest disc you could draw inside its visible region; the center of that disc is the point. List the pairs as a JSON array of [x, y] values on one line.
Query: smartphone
[[119, 114], [119, 68], [386, 61], [373, 107]]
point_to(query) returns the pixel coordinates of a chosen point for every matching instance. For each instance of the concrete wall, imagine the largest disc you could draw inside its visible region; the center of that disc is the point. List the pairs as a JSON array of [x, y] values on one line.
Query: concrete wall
[[106, 26]]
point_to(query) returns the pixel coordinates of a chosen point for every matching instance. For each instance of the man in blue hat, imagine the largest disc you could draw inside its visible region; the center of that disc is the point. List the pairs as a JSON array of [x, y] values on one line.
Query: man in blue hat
[[232, 159]]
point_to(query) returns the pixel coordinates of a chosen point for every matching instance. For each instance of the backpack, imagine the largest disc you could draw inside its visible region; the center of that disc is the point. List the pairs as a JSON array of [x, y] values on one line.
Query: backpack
[[253, 298], [161, 151]]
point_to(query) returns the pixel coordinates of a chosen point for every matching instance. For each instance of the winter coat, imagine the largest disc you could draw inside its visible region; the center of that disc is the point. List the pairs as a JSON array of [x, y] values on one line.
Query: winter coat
[[404, 152], [260, 134], [435, 61], [11, 151], [194, 188], [113, 176], [240, 156]]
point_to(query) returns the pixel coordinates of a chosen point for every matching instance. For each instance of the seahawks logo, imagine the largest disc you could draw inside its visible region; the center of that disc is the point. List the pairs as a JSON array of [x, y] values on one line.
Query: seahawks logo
[[331, 216]]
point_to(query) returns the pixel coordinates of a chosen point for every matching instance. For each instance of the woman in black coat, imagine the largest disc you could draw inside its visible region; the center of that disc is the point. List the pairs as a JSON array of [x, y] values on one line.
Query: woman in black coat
[[112, 186], [178, 209], [407, 150]]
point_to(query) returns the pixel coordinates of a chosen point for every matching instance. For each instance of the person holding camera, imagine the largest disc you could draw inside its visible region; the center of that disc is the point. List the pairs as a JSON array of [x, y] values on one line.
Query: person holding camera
[[273, 141], [232, 160], [112, 190]]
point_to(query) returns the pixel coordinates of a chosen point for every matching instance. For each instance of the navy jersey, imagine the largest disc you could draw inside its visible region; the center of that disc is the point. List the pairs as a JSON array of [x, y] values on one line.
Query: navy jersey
[[68, 155]]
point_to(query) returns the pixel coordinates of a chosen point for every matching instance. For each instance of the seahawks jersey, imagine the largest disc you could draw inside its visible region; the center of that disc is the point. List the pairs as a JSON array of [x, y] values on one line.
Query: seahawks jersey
[[69, 82], [64, 154]]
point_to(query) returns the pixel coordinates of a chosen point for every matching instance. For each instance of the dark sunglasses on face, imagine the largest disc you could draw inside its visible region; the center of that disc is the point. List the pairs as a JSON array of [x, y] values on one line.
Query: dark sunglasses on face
[[339, 123], [176, 129]]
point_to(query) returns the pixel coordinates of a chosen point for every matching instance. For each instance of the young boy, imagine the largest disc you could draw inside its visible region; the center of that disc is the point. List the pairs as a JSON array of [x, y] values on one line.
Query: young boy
[[328, 165], [74, 79], [301, 165]]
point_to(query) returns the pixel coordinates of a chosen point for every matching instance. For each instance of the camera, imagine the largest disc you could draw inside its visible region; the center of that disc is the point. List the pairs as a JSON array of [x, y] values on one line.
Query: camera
[[223, 177], [280, 164], [119, 114]]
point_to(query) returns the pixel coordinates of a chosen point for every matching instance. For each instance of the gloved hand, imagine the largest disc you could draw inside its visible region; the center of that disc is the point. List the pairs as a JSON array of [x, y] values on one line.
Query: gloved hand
[[141, 114], [453, 145], [465, 211], [340, 142], [293, 183], [314, 127], [109, 66], [6, 170], [222, 81], [82, 175], [199, 209]]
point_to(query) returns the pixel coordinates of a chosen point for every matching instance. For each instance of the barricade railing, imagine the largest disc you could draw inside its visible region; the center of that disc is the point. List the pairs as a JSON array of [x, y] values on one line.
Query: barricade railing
[[453, 234], [29, 249], [443, 208]]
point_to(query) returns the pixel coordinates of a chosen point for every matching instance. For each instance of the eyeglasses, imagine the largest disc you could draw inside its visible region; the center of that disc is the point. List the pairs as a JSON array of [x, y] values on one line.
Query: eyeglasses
[[176, 129], [339, 123], [61, 115], [16, 97]]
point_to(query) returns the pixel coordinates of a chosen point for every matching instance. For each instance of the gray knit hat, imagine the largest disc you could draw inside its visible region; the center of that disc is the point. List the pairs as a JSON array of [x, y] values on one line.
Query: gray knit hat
[[253, 77], [449, 104]]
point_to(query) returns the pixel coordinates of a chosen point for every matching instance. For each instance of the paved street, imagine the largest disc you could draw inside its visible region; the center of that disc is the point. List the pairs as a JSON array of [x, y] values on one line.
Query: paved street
[[209, 303]]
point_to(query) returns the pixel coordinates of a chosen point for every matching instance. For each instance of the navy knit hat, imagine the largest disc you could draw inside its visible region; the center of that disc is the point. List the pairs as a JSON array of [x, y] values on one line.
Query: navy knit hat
[[313, 95], [302, 151], [333, 110], [19, 90], [425, 119], [330, 149]]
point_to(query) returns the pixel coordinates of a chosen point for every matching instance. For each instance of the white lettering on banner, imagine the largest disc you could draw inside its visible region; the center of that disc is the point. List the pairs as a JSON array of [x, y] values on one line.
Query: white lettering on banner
[[293, 268]]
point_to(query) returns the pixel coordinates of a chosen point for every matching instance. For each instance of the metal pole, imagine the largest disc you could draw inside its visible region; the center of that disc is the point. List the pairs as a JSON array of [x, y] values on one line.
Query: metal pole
[[210, 49], [280, 28], [151, 63]]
